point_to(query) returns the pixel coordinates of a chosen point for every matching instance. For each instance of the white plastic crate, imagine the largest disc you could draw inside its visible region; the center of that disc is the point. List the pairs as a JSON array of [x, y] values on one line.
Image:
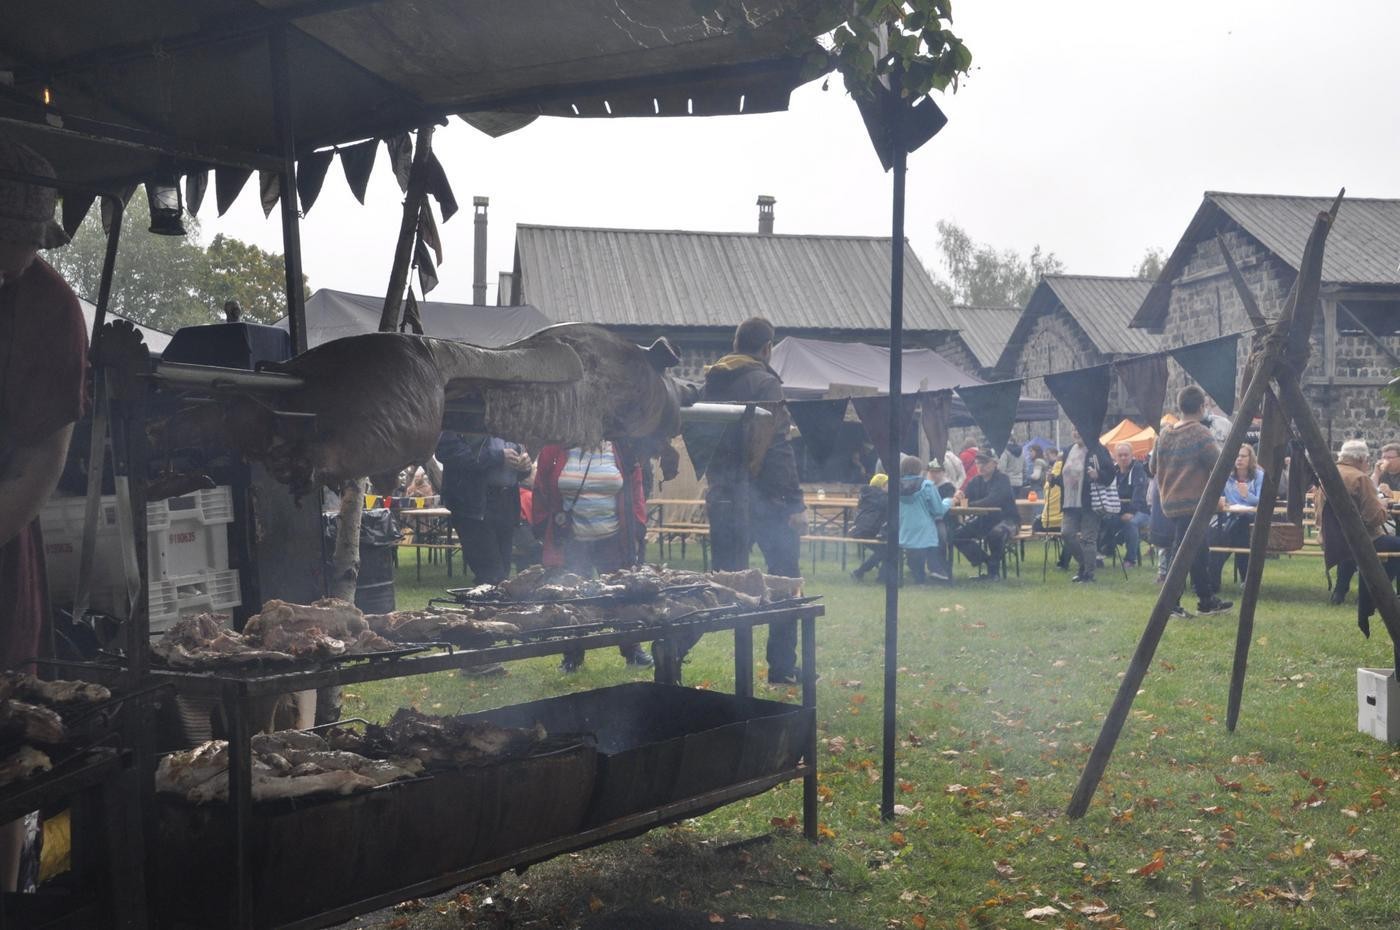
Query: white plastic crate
[[186, 535], [1377, 694], [173, 598]]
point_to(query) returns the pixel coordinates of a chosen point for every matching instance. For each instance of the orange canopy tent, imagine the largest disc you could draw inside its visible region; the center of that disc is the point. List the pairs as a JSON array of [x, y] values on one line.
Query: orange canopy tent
[[1141, 438]]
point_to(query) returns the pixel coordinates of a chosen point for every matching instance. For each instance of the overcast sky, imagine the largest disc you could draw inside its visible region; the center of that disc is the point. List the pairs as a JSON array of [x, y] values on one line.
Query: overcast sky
[[1090, 127]]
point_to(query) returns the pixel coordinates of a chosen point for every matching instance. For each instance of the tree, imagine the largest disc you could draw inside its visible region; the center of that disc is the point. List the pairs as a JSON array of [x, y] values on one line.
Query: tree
[[982, 276], [166, 282], [1150, 266]]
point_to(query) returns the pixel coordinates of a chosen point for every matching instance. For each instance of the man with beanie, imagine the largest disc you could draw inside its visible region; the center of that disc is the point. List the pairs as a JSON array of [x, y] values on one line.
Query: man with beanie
[[43, 369], [1183, 459], [763, 505]]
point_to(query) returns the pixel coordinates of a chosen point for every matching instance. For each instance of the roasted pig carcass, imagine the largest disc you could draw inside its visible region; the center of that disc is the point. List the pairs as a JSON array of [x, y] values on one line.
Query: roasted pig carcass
[[30, 723], [23, 763], [378, 400]]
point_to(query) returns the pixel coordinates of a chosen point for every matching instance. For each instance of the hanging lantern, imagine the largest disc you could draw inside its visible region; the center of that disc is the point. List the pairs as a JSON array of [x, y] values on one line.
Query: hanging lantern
[[167, 207]]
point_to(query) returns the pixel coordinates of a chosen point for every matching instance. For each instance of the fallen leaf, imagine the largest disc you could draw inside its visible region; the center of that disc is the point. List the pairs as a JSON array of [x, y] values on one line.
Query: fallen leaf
[[715, 918], [1342, 860], [825, 832], [836, 745], [897, 838], [1036, 913], [595, 903], [1157, 863], [919, 921], [851, 684]]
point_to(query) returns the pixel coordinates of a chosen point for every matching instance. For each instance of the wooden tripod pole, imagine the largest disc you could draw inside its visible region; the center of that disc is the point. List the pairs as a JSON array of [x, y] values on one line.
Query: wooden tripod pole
[[1170, 594], [1368, 564], [1272, 438]]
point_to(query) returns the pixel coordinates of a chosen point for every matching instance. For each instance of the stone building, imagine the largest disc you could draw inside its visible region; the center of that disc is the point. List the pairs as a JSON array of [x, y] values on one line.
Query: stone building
[[1071, 322], [982, 336], [695, 287], [1356, 338]]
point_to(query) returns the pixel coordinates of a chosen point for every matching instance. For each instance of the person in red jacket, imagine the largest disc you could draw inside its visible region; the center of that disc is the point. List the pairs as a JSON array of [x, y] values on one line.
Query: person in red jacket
[[588, 509]]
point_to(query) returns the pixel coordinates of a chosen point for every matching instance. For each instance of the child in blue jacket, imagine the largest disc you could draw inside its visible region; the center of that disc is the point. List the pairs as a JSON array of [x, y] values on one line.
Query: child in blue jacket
[[920, 505]]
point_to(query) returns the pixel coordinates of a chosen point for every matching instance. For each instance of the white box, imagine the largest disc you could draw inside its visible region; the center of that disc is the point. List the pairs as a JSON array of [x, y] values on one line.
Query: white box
[[187, 535], [171, 599], [1376, 694]]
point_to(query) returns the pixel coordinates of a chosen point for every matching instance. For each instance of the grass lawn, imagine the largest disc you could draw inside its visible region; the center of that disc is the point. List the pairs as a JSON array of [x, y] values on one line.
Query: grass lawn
[[1290, 822]]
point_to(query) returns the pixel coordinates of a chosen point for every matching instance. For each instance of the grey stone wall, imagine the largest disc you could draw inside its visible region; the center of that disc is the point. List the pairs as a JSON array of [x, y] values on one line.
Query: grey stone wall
[[1204, 304], [1056, 343]]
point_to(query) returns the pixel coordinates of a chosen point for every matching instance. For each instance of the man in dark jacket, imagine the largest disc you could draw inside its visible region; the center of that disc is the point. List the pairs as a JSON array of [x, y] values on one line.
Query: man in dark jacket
[[755, 502], [481, 486], [990, 488], [1134, 514]]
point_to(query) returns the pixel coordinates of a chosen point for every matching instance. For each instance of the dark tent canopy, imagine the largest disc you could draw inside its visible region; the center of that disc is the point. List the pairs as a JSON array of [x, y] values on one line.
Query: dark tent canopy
[[809, 368], [336, 314]]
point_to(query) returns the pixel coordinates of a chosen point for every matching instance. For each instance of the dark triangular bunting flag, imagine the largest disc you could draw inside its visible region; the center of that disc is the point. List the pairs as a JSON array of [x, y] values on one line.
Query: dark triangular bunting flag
[[400, 157], [1083, 396], [311, 174], [993, 408], [1145, 381], [437, 186], [935, 407], [269, 190], [497, 124], [358, 162], [918, 123], [701, 441], [427, 273], [109, 206], [228, 184], [874, 413], [1213, 365], [428, 231], [819, 422], [75, 208], [196, 184], [412, 320]]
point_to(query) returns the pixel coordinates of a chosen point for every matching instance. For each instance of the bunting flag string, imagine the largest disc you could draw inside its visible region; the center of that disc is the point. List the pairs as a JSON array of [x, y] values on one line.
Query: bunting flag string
[[196, 185], [311, 174], [427, 273], [400, 157], [358, 161], [935, 407], [819, 422], [1144, 379], [874, 413], [269, 190], [1213, 366], [109, 208], [438, 186], [993, 408], [75, 208], [228, 184], [412, 319], [1083, 396], [428, 231]]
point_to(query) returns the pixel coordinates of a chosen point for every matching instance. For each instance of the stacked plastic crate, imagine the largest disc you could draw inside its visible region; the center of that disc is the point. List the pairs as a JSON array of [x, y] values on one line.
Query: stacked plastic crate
[[187, 552]]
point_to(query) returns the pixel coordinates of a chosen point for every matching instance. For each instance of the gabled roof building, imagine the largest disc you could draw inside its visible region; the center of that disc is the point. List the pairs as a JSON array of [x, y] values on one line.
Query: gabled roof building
[[983, 333], [1356, 338]]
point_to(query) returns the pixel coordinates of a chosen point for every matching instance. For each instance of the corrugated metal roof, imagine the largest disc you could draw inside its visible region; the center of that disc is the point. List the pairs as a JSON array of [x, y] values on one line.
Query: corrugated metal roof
[[986, 330], [1102, 307], [676, 278], [1363, 247]]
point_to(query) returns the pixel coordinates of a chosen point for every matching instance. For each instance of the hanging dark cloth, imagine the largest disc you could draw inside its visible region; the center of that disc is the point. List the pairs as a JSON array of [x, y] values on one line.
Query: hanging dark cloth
[[1083, 396], [934, 410], [920, 121], [819, 422], [400, 157], [228, 184], [269, 190], [412, 319], [437, 186], [874, 413], [196, 185], [109, 206], [75, 208], [993, 408], [358, 161], [428, 231], [311, 174], [1145, 381], [701, 441], [1213, 366], [427, 273]]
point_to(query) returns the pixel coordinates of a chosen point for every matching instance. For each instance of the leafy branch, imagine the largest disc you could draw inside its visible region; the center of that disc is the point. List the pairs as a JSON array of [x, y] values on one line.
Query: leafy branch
[[922, 53]]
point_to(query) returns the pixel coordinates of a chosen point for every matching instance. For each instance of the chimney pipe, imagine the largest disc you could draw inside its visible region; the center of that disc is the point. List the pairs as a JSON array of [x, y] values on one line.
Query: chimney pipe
[[765, 214], [479, 204]]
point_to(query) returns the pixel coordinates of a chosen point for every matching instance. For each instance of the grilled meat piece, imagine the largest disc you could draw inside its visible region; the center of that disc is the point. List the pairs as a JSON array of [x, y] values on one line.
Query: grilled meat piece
[[28, 688], [23, 763], [446, 741], [30, 723]]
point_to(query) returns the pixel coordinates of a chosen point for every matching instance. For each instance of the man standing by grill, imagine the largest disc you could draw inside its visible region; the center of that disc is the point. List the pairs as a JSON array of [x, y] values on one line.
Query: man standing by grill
[[481, 486], [43, 364], [748, 505]]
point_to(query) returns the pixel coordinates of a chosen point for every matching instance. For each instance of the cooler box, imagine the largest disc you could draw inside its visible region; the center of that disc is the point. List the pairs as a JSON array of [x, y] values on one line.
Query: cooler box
[[1377, 694]]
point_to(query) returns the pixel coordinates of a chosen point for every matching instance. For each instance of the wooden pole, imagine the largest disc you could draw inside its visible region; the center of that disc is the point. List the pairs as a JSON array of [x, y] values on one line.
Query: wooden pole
[[1271, 444], [1358, 539], [408, 229], [287, 188], [1169, 595]]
